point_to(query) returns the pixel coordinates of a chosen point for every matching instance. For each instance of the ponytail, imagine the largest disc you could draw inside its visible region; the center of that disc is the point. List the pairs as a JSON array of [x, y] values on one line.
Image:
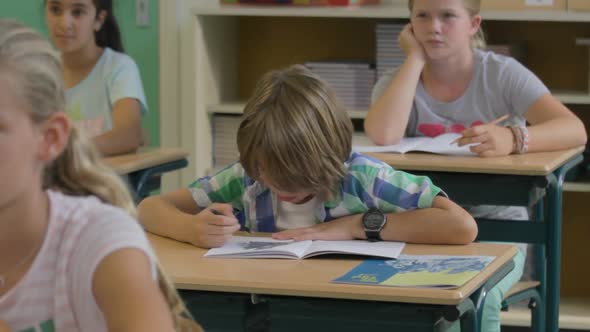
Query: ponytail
[[479, 40], [78, 171], [109, 34]]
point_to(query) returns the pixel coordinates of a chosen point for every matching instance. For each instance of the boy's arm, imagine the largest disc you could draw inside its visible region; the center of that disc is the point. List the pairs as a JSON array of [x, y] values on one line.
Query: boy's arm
[[176, 215], [170, 214], [443, 223]]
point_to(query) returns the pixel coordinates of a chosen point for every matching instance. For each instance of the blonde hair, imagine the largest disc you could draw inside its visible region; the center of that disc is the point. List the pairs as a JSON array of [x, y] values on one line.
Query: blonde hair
[[473, 8], [295, 132], [78, 171]]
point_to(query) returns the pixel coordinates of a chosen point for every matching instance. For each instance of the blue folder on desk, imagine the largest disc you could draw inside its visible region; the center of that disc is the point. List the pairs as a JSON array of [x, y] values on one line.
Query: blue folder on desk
[[417, 271]]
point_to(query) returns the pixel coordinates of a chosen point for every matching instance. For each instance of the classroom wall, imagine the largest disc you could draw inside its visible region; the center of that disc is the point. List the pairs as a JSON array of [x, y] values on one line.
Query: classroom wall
[[141, 43]]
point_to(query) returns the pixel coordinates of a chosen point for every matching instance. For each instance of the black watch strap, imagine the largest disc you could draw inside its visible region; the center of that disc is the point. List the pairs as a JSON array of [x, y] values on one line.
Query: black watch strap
[[373, 236]]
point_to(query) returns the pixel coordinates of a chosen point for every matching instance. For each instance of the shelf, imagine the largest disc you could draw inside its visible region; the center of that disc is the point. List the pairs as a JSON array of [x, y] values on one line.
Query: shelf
[[578, 98], [583, 187], [214, 8], [238, 108], [574, 313]]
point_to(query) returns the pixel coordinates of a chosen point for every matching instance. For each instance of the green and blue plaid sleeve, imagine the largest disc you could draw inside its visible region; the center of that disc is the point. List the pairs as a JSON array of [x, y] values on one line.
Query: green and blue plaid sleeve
[[226, 186], [373, 183], [395, 190]]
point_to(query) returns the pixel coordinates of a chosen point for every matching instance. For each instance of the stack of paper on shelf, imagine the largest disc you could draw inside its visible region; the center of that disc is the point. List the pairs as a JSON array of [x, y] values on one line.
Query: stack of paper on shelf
[[389, 54], [352, 81], [225, 148]]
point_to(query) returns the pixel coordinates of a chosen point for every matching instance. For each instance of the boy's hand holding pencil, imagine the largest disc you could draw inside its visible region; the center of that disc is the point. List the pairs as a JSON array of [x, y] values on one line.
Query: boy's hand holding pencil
[[213, 226], [491, 140], [243, 228]]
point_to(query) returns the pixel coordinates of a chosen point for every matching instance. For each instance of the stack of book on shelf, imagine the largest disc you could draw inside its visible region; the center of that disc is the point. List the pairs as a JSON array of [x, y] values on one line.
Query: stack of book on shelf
[[225, 147], [305, 2], [359, 138], [351, 81], [389, 54], [516, 51]]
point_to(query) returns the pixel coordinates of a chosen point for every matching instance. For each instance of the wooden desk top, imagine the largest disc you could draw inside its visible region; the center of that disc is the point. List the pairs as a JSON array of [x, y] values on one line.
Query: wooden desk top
[[539, 163], [311, 277], [144, 158]]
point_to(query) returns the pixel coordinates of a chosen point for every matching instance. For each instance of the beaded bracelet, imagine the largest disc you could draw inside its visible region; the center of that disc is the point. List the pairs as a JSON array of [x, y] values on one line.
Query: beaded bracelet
[[516, 135], [524, 133], [521, 139]]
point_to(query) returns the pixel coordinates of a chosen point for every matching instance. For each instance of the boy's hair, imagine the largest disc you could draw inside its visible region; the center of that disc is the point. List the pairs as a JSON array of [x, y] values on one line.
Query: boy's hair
[[473, 8], [36, 68], [295, 132]]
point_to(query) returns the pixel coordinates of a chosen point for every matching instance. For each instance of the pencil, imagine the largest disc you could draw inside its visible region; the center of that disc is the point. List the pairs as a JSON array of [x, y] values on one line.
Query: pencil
[[498, 120], [218, 213]]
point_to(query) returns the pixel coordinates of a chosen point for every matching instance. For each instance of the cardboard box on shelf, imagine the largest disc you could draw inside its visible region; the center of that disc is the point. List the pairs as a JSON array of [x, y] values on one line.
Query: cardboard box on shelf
[[524, 4], [304, 2], [578, 5]]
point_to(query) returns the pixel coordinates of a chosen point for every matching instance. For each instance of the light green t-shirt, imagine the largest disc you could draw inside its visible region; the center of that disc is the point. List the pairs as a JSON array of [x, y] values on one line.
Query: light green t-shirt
[[90, 103]]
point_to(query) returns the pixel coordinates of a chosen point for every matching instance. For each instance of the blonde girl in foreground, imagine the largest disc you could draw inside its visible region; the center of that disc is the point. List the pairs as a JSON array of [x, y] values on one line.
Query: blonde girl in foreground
[[73, 257]]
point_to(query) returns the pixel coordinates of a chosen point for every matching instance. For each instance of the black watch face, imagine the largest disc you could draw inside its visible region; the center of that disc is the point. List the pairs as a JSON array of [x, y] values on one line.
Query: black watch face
[[373, 220]]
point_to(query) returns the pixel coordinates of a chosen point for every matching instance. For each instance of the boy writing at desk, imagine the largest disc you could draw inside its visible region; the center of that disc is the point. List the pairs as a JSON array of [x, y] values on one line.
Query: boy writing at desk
[[298, 179]]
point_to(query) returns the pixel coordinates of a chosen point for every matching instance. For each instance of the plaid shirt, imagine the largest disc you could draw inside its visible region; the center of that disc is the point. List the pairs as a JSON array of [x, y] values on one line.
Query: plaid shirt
[[368, 183]]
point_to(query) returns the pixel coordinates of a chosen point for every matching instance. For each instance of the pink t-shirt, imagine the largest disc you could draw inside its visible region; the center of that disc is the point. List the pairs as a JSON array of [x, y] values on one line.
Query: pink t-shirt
[[56, 293]]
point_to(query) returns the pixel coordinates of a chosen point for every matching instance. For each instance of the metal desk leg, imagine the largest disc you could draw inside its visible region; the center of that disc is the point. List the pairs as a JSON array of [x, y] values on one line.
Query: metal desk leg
[[480, 295], [554, 197], [470, 311], [538, 312], [140, 178]]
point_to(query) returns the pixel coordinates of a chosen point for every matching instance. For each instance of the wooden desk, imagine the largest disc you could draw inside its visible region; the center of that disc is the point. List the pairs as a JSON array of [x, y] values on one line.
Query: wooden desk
[[531, 180], [542, 163], [145, 167], [284, 280]]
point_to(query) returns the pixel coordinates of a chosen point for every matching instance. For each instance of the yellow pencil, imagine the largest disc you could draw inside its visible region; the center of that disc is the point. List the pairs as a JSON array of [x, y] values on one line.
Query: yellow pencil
[[498, 120]]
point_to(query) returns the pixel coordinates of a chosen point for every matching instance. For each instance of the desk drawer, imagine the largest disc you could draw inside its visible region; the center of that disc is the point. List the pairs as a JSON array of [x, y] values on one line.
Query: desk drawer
[[219, 312]]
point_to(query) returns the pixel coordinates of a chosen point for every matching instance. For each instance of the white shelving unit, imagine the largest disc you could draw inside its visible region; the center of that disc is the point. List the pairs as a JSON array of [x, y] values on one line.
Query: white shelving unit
[[238, 108], [214, 8], [209, 40], [201, 40], [576, 98], [583, 187]]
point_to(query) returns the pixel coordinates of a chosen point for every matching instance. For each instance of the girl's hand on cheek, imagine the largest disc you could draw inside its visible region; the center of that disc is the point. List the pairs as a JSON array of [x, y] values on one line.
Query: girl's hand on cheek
[[410, 44]]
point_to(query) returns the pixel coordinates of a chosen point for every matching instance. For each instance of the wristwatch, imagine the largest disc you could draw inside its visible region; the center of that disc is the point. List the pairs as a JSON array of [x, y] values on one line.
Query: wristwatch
[[373, 222]]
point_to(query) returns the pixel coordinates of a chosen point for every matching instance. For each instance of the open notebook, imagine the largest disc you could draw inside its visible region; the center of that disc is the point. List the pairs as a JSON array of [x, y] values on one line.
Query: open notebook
[[417, 271], [440, 145], [265, 247]]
